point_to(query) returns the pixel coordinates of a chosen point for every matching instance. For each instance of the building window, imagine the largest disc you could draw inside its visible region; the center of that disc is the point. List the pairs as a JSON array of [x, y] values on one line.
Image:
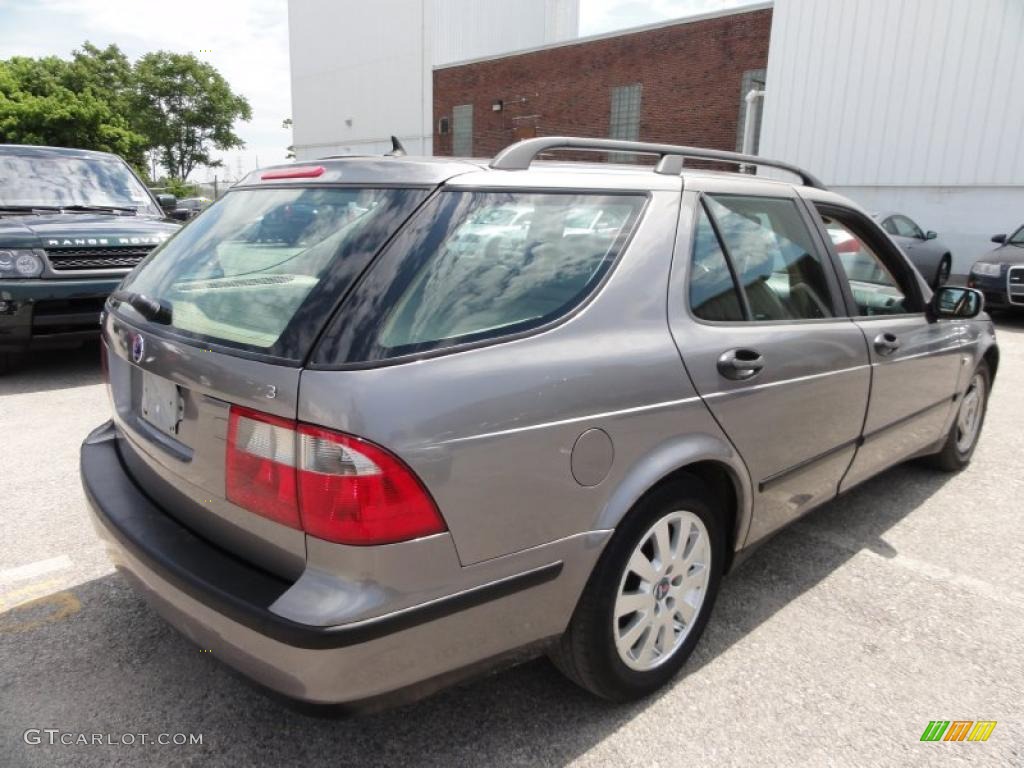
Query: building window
[[462, 130], [624, 121]]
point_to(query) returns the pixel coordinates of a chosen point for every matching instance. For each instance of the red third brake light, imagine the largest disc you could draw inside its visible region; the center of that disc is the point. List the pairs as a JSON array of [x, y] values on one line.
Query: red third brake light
[[295, 172], [333, 486]]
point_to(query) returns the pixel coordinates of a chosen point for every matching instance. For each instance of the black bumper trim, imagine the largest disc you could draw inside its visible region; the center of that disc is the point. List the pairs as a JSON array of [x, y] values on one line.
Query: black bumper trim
[[235, 588]]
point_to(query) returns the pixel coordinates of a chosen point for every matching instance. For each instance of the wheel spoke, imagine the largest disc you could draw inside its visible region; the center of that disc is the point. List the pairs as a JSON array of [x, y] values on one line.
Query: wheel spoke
[[642, 567], [665, 638], [631, 602], [628, 638], [646, 653], [693, 578], [695, 552], [663, 544], [685, 612]]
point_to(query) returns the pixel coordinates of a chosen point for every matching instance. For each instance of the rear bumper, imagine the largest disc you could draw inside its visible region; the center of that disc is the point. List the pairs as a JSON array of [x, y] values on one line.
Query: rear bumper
[[40, 313], [226, 605]]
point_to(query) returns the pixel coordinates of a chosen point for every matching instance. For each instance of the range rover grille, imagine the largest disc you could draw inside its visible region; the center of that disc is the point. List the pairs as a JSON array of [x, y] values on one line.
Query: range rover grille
[[71, 259]]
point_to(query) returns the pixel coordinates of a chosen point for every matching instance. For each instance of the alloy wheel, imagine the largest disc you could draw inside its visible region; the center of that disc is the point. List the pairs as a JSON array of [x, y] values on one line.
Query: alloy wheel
[[662, 590], [968, 420]]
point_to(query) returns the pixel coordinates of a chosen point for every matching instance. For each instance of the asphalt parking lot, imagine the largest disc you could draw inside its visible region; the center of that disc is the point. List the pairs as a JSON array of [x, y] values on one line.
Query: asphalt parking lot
[[835, 644]]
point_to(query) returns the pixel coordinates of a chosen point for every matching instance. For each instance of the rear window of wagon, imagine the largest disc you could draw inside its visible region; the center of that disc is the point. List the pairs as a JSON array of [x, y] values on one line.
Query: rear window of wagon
[[262, 269], [473, 266]]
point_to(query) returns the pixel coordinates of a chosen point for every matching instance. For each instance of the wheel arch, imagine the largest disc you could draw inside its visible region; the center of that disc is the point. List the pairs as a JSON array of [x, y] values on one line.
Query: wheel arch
[[710, 459], [991, 357]]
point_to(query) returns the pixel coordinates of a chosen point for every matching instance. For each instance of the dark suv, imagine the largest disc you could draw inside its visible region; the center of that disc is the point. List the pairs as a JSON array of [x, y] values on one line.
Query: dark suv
[[72, 225]]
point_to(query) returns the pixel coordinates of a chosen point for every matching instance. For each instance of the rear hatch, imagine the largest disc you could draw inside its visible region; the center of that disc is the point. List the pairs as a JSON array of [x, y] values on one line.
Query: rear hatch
[[224, 314]]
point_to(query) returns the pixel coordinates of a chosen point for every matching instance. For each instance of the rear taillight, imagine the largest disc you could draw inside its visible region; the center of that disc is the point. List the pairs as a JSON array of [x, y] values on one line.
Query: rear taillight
[[331, 485], [260, 465]]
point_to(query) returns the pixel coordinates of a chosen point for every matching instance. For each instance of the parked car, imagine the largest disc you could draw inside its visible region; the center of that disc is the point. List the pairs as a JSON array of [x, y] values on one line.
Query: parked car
[[193, 206], [930, 255], [999, 274], [72, 225], [356, 462]]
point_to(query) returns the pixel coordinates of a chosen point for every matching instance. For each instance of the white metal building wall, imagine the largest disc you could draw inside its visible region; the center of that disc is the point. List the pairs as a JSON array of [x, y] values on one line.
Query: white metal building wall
[[362, 71], [915, 105]]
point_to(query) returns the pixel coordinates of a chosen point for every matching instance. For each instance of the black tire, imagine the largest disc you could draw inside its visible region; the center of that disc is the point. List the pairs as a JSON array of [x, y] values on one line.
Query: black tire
[[10, 361], [953, 457], [587, 653], [943, 272]]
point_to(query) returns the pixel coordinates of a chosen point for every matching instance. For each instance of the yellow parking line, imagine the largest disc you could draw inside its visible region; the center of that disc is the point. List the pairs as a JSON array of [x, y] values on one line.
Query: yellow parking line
[[32, 606]]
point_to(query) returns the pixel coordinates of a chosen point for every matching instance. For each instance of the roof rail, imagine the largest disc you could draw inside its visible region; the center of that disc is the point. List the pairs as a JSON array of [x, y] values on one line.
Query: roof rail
[[518, 156]]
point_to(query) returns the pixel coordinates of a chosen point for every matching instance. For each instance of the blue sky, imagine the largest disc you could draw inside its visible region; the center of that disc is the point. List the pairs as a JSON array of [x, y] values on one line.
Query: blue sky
[[247, 40]]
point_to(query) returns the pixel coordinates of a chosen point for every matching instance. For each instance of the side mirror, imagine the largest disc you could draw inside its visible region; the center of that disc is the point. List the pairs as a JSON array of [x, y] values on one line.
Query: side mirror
[[167, 202], [952, 301], [999, 239], [930, 234]]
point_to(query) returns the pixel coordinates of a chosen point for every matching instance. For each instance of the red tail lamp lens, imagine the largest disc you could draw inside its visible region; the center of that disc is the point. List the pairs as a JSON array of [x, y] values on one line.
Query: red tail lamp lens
[[331, 485], [260, 465], [354, 492]]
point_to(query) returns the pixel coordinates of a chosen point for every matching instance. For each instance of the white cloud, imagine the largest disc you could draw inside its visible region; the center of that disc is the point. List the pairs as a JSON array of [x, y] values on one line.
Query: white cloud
[[246, 40], [597, 16]]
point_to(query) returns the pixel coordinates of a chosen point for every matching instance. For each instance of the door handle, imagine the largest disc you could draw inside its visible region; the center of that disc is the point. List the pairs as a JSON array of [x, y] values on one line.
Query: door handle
[[886, 343], [740, 364]]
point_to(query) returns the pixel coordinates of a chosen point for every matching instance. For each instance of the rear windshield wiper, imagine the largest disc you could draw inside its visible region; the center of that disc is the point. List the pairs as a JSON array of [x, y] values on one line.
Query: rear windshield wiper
[[152, 309], [101, 208]]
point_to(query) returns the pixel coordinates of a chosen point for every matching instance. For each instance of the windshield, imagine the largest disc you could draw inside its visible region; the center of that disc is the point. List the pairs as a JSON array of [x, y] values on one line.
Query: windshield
[[263, 269], [48, 181], [1017, 238]]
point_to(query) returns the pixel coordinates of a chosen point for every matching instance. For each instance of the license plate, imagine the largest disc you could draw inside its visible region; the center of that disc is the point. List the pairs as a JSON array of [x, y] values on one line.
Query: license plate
[[161, 403]]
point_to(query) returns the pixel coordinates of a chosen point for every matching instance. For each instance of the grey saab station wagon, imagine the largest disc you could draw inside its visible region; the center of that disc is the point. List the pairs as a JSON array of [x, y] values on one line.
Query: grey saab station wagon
[[381, 422]]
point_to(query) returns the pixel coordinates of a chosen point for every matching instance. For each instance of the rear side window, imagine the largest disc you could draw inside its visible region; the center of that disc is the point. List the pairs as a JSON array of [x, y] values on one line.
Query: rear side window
[[474, 266], [262, 268], [713, 294], [780, 270]]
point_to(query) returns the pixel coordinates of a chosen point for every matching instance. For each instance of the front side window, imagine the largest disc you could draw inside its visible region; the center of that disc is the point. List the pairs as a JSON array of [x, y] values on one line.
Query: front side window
[[257, 262], [906, 228], [60, 181], [473, 266], [779, 269], [875, 290]]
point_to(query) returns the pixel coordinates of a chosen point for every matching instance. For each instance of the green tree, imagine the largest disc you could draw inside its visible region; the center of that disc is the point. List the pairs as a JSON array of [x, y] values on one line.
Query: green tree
[[186, 109], [40, 103], [105, 72]]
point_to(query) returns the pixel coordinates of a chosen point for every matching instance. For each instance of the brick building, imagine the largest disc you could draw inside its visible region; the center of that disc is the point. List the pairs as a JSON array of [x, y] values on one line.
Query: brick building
[[680, 82]]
